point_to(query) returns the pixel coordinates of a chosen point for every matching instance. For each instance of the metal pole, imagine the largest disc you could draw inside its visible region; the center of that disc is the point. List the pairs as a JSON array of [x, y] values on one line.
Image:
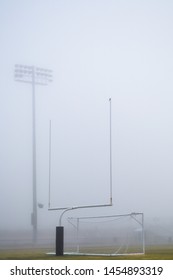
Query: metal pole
[[143, 234], [77, 235], [49, 161], [34, 160], [110, 152], [34, 76]]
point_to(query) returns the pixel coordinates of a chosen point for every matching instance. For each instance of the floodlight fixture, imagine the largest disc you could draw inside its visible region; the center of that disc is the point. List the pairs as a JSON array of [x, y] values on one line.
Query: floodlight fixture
[[31, 74]]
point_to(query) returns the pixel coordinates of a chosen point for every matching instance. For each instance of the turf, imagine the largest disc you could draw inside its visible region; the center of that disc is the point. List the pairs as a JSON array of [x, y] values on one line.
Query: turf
[[152, 253]]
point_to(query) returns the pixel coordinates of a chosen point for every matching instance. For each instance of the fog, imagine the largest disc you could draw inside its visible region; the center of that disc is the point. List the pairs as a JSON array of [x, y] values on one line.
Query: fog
[[96, 50]]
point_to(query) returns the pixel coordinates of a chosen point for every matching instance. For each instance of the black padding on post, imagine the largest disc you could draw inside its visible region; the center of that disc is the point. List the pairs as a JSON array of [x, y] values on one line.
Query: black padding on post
[[59, 241]]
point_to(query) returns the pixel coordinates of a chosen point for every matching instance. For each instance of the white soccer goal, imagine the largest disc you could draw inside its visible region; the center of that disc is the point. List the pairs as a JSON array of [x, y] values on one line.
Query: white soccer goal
[[105, 235]]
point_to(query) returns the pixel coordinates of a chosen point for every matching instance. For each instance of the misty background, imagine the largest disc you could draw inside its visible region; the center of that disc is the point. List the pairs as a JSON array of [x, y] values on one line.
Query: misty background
[[96, 49]]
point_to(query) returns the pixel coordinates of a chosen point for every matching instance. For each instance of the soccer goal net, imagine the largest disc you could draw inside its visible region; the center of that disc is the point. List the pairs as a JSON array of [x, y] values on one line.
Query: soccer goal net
[[105, 235]]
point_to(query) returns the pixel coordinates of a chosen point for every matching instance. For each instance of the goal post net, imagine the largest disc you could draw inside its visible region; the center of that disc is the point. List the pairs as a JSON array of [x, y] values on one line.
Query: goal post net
[[105, 235]]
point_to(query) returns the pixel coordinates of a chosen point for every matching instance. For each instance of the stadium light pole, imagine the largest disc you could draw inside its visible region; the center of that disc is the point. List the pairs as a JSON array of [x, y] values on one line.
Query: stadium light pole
[[33, 76]]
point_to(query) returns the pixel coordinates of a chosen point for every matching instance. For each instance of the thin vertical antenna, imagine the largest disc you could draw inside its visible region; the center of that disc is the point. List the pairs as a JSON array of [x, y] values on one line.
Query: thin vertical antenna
[[49, 159], [110, 152]]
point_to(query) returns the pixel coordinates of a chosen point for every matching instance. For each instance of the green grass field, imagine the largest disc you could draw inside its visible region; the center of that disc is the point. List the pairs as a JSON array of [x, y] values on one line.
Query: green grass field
[[152, 253]]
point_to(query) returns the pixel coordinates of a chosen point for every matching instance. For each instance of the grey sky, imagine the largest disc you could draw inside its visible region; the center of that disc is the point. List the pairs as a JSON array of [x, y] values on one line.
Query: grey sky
[[96, 49]]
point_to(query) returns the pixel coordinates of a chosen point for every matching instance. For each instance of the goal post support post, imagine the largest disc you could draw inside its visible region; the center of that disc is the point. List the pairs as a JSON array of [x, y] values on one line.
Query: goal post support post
[[59, 241]]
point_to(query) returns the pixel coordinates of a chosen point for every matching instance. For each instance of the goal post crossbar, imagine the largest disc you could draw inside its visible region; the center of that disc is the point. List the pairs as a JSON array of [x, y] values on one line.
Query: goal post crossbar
[[110, 203], [65, 209], [80, 207]]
